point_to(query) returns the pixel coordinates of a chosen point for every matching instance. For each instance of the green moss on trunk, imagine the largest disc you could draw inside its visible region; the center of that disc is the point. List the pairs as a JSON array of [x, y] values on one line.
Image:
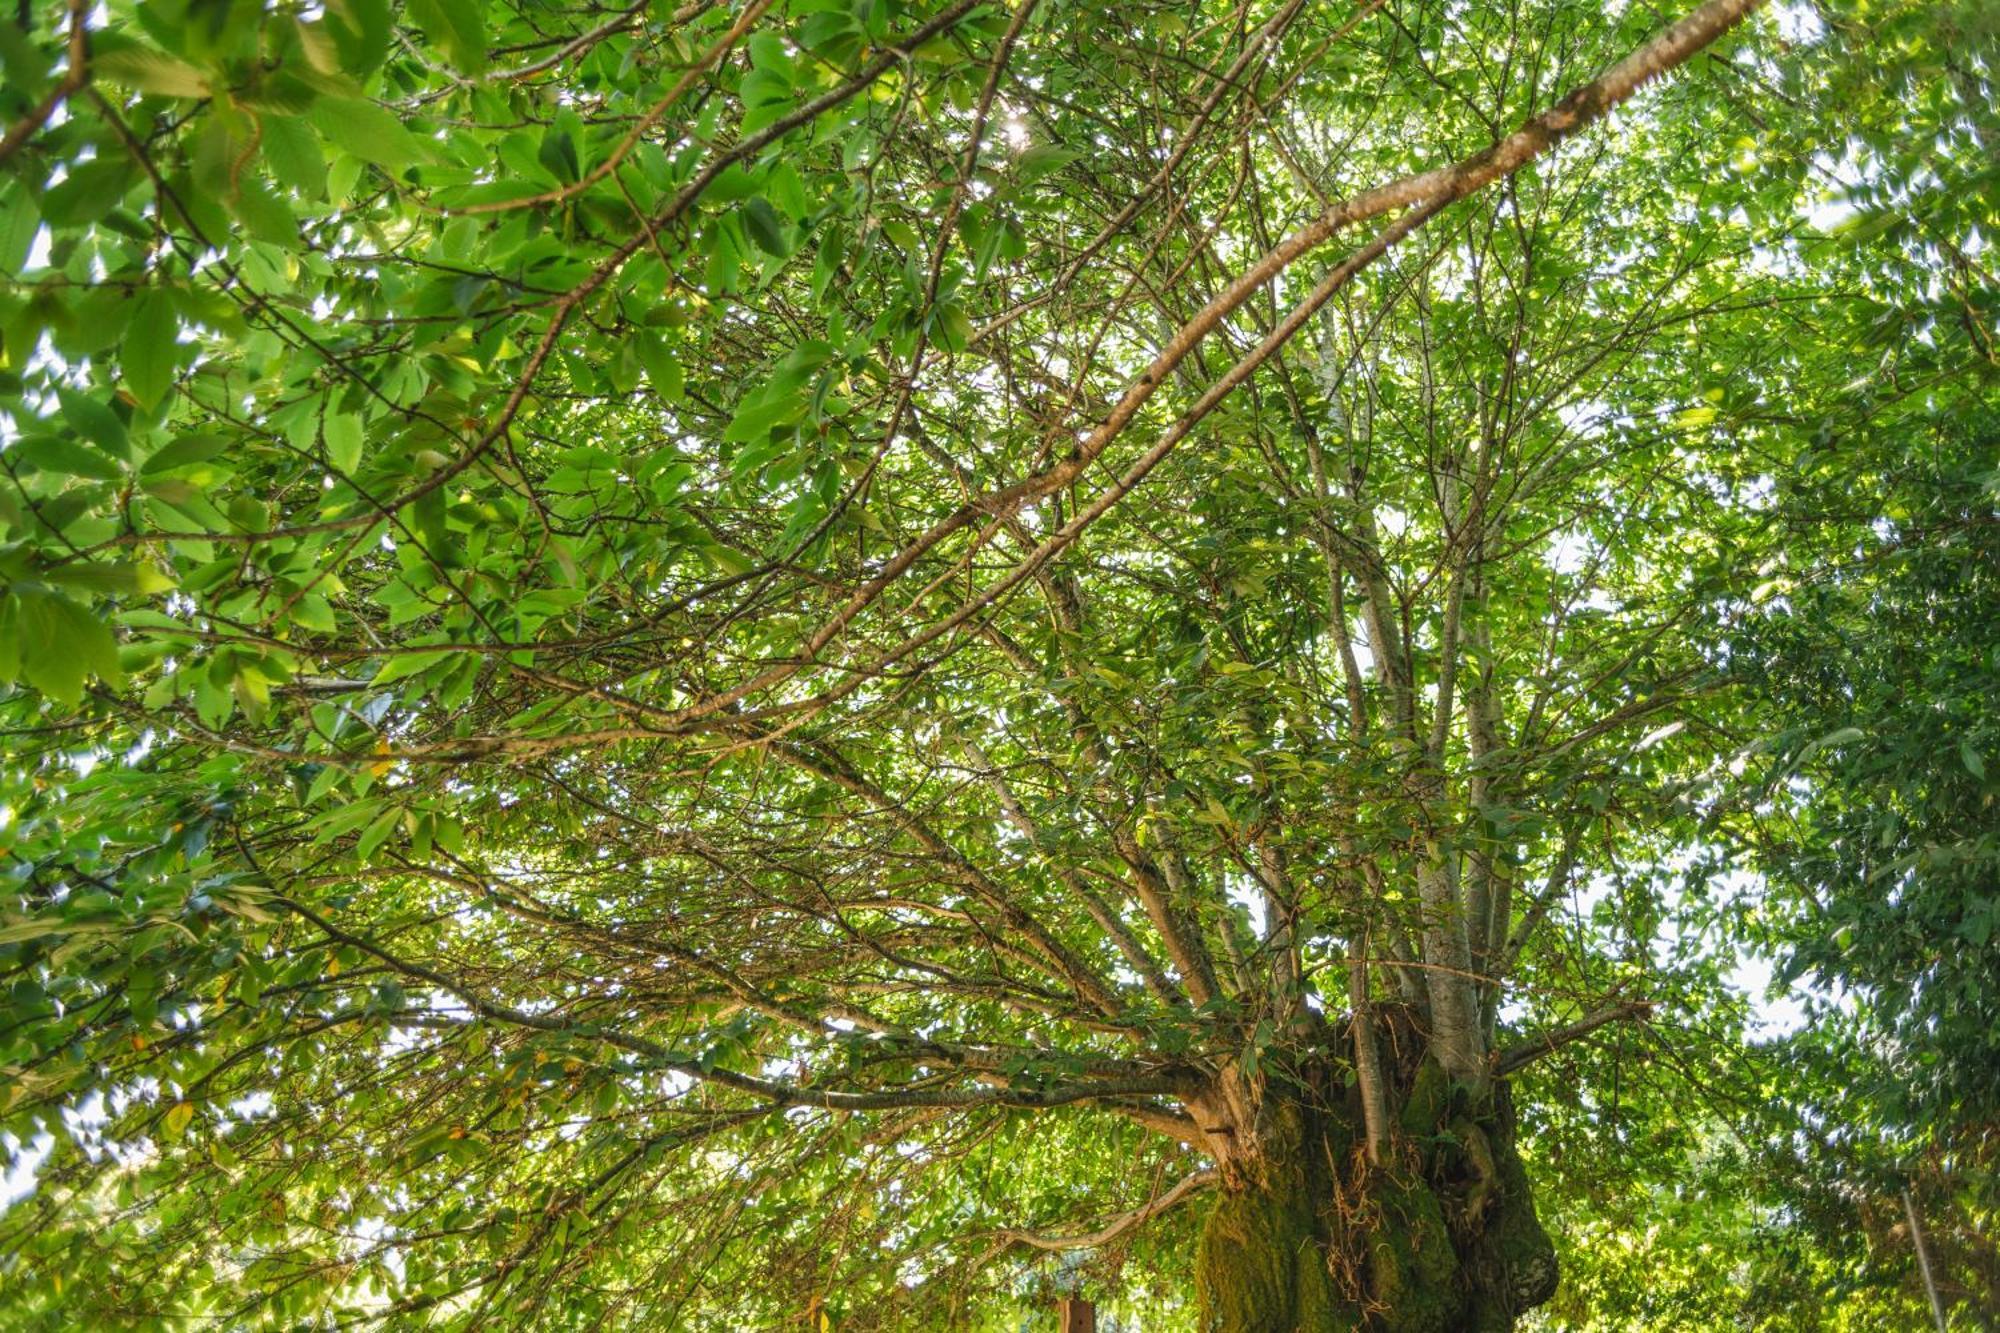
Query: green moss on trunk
[[1261, 1263], [1441, 1238]]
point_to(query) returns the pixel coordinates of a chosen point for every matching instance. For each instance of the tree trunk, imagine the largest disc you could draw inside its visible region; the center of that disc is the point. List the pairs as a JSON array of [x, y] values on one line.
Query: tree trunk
[[1440, 1237]]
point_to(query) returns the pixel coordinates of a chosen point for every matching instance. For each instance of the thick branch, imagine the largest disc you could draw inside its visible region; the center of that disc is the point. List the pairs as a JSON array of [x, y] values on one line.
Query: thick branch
[[1545, 1043]]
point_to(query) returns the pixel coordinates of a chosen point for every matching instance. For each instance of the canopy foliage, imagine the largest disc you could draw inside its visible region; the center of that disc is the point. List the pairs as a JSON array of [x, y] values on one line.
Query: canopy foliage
[[770, 663]]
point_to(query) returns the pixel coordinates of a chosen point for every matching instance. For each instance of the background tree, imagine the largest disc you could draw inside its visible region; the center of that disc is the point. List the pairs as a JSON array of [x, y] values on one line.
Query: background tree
[[1853, 848], [1882, 850], [749, 665]]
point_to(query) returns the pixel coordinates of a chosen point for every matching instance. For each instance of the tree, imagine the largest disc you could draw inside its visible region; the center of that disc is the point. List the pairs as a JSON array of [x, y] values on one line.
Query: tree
[[1882, 851], [741, 665], [1867, 804]]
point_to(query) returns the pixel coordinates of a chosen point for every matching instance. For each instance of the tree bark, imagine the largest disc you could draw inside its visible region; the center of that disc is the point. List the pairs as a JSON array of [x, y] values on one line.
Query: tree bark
[[1077, 1315], [1310, 1236]]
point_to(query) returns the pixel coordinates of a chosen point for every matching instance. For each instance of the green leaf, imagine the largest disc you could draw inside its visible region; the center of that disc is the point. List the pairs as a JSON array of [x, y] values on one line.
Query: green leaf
[[557, 155], [20, 220], [368, 131], [663, 368], [87, 193], [1042, 160], [62, 644], [95, 422], [759, 414], [146, 70], [54, 453], [953, 328], [377, 833], [150, 353], [185, 451], [314, 612], [264, 215], [458, 27], [362, 32], [293, 153], [110, 578], [768, 55], [343, 441], [403, 667], [733, 184], [765, 227]]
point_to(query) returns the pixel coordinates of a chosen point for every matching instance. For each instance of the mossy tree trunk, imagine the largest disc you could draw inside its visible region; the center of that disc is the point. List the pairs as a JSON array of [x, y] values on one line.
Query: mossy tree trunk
[[1312, 1236]]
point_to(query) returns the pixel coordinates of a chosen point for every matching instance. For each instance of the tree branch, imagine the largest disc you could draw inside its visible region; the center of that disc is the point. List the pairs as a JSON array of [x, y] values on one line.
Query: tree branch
[[1185, 1188], [73, 79], [1545, 1043]]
